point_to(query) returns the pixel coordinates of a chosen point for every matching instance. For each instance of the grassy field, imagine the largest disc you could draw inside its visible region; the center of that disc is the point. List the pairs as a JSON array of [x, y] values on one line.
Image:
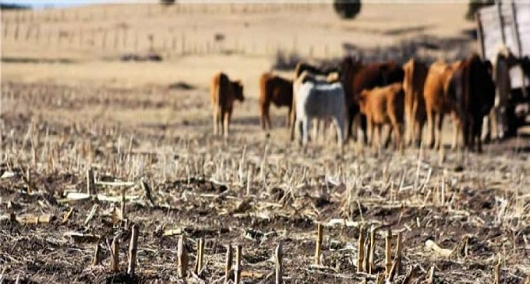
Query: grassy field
[[144, 129]]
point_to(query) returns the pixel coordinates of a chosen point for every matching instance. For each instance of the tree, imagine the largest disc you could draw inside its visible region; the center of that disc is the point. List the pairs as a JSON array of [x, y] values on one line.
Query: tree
[[347, 9], [167, 2]]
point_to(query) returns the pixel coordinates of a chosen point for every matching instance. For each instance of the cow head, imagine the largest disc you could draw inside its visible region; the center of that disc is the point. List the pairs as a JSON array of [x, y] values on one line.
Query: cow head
[[237, 86]]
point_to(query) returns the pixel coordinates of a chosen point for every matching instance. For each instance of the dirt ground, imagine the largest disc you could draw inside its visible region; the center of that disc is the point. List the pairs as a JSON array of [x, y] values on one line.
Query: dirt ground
[[67, 108]]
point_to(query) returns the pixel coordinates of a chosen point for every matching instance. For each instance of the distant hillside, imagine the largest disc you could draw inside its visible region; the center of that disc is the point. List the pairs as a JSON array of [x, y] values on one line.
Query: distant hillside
[[6, 6]]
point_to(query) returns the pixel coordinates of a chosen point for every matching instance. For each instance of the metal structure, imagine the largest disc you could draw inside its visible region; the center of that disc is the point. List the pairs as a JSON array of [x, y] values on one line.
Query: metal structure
[[507, 23]]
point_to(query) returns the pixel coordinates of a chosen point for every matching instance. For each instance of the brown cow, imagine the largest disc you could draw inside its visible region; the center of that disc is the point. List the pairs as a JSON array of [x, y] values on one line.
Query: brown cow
[[224, 93], [436, 102], [383, 105], [357, 77], [472, 91], [277, 90], [413, 84]]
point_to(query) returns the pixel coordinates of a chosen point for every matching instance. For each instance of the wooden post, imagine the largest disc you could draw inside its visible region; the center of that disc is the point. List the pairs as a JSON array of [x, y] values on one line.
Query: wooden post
[[133, 248], [318, 247], [182, 257], [115, 251], [278, 264], [228, 263], [237, 272]]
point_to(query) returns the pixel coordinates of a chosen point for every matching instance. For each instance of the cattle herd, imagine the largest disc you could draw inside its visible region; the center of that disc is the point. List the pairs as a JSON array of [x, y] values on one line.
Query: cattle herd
[[359, 99]]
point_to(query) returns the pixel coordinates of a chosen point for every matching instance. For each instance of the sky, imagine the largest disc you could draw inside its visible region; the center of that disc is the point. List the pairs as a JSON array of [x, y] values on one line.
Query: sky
[[65, 3]]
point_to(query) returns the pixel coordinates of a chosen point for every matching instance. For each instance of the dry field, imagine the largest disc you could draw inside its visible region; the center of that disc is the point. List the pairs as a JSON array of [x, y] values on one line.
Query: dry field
[[70, 107]]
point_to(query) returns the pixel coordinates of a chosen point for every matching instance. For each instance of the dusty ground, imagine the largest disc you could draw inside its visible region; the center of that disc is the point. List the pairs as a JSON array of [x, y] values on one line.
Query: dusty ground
[[66, 109]]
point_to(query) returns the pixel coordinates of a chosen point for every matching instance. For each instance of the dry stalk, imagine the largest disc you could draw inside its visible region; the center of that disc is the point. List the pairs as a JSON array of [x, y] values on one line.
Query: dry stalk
[[115, 250], [122, 204], [91, 214], [388, 253], [399, 249], [279, 264], [318, 247], [228, 263], [90, 185], [430, 278], [96, 260], [182, 257], [360, 248], [412, 273], [371, 251], [147, 190], [68, 215], [497, 272], [200, 255], [379, 279], [249, 179], [237, 269], [133, 248]]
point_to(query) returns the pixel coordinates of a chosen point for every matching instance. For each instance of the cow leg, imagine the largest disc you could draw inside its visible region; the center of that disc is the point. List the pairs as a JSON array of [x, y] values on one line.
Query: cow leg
[[298, 123], [493, 123], [409, 123], [439, 122], [315, 130], [363, 128], [264, 115], [306, 125], [288, 120], [339, 125], [370, 127], [294, 122], [216, 121], [349, 124], [379, 136], [388, 137], [430, 123], [227, 116], [477, 132], [456, 131], [395, 127]]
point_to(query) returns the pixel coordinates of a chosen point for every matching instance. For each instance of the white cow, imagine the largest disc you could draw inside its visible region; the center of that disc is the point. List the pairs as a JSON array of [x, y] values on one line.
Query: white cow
[[319, 101]]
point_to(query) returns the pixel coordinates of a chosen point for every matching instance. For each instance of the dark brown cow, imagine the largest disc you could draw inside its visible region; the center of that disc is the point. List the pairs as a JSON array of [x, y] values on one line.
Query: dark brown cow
[[357, 77], [472, 91], [276, 90], [224, 92], [413, 84], [383, 105]]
